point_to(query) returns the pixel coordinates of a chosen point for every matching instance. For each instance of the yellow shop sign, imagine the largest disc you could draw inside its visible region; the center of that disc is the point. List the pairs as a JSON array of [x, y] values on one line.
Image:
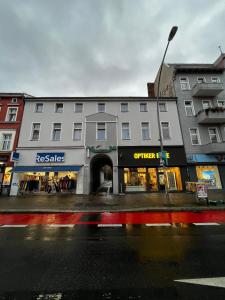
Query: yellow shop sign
[[148, 155]]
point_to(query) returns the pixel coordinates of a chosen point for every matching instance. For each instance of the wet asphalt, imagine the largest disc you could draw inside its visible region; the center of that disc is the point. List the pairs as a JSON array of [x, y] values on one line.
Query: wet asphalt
[[128, 262]]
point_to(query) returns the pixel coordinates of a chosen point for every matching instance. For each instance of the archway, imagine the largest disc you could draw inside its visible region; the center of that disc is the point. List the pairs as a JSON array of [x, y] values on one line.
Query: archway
[[101, 168]]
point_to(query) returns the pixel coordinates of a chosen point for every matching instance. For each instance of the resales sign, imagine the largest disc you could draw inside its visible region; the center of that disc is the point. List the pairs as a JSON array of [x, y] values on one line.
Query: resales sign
[[54, 157]]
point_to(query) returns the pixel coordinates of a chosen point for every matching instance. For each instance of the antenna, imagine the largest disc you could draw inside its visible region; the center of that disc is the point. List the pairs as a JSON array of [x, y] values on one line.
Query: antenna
[[220, 49]]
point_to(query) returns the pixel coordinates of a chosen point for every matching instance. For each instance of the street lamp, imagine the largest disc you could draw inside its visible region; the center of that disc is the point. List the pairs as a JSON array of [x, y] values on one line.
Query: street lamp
[[162, 162]]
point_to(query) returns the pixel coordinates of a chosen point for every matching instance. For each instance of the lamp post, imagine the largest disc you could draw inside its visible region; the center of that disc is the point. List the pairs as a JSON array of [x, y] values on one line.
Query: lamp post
[[162, 162]]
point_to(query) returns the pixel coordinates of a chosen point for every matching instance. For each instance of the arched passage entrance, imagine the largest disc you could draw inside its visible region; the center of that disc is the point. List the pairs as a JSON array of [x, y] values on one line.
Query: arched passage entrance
[[101, 172]]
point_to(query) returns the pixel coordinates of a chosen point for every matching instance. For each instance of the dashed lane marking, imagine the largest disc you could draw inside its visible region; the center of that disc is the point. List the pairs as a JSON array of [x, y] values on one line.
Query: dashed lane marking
[[110, 225], [157, 224], [49, 297], [14, 225], [61, 225], [205, 224]]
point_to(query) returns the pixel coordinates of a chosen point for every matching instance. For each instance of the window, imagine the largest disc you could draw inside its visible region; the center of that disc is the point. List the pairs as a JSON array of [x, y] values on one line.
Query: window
[[206, 104], [101, 107], [125, 131], [215, 80], [11, 115], [14, 100], [39, 107], [124, 107], [214, 135], [221, 103], [184, 83], [200, 79], [59, 107], [101, 132], [56, 134], [6, 143], [165, 130], [143, 107], [189, 108], [194, 134], [162, 106], [77, 130], [35, 131], [145, 131], [78, 107]]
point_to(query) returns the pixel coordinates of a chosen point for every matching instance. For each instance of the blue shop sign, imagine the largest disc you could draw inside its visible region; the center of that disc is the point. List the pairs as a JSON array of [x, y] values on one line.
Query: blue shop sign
[[205, 158], [53, 157]]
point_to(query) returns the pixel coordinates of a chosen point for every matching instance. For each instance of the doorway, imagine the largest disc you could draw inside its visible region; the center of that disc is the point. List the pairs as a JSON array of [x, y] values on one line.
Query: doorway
[[101, 168]]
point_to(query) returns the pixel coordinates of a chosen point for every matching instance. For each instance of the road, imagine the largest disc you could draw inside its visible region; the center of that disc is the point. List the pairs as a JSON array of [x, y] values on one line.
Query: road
[[93, 256]]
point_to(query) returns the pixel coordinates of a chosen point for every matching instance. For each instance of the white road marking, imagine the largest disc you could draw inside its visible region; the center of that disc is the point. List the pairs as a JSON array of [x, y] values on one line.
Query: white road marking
[[61, 225], [204, 224], [110, 225], [157, 224], [49, 297], [214, 281], [14, 225]]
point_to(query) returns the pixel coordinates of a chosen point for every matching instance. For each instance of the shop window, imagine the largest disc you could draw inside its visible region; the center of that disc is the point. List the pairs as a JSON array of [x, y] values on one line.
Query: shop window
[[35, 131], [101, 131], [125, 131], [59, 107], [214, 135], [7, 176], [11, 114], [77, 131], [145, 131], [189, 108], [39, 107], [101, 107], [194, 135], [184, 83], [162, 107], [143, 107], [215, 80], [206, 104], [78, 107], [56, 134], [165, 130], [6, 141], [209, 175], [124, 107]]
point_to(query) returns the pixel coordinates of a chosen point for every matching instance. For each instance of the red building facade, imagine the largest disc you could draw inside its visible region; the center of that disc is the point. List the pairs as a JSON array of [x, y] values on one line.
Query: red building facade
[[11, 113]]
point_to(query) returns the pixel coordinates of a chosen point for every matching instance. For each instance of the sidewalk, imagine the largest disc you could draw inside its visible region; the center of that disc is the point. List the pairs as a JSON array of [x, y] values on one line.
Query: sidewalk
[[111, 203]]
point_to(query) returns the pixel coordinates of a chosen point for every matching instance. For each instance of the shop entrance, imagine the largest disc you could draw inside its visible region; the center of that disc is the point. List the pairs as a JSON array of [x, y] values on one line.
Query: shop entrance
[[101, 173]]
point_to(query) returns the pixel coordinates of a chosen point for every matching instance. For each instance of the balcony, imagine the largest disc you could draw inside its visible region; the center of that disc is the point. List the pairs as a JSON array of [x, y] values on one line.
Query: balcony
[[207, 89], [211, 115], [213, 148]]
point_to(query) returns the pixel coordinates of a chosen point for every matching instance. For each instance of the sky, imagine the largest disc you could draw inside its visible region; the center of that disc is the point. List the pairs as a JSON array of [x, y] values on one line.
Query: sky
[[102, 47]]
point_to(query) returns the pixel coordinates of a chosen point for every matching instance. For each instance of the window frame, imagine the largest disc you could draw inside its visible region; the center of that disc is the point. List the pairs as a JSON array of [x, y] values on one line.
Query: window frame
[[7, 114], [105, 137], [198, 134], [204, 100], [35, 108], [14, 100], [218, 100], [76, 104], [127, 105], [146, 105], [199, 79], [32, 131], [59, 112], [187, 82], [165, 103], [101, 103], [217, 77], [170, 135], [81, 131], [192, 106], [129, 138], [10, 145], [149, 131], [217, 135], [53, 132]]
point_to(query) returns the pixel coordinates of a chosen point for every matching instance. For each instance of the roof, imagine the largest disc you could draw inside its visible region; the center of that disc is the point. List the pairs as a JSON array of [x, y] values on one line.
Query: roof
[[14, 95]]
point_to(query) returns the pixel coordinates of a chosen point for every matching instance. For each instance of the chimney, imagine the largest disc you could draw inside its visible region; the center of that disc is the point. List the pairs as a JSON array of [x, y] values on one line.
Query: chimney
[[150, 87]]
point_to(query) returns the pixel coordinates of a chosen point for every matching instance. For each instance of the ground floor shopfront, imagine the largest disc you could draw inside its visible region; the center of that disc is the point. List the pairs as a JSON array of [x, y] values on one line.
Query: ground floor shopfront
[[209, 169], [48, 172], [140, 171], [5, 173]]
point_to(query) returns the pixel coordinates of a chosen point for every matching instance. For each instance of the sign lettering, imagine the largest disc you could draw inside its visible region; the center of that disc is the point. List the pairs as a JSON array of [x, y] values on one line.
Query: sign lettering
[[149, 155], [55, 157]]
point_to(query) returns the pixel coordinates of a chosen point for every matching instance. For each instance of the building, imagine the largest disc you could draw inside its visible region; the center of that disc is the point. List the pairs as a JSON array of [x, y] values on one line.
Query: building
[[200, 93], [85, 144], [11, 112]]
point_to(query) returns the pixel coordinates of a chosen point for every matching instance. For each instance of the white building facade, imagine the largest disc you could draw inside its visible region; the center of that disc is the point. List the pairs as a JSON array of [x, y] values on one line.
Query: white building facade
[[79, 145]]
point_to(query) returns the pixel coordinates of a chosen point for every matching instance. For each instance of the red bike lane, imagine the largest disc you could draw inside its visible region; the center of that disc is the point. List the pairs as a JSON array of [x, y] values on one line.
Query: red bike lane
[[112, 218]]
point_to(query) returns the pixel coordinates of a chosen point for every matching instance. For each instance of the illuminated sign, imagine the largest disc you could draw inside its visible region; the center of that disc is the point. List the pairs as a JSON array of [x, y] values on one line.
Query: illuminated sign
[[149, 155], [54, 157]]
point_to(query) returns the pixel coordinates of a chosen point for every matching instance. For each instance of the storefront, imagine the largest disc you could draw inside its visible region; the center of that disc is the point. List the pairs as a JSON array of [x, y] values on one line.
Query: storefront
[[209, 169], [49, 175], [140, 171], [5, 174]]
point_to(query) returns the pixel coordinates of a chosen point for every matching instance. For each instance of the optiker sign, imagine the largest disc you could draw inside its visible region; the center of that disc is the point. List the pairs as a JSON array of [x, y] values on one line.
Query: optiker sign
[[54, 157]]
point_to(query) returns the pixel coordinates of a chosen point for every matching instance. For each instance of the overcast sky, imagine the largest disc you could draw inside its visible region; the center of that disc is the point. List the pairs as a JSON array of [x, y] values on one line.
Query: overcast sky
[[101, 47]]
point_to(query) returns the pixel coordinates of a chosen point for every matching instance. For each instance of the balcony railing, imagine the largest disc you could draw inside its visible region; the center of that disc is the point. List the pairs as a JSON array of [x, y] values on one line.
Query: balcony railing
[[211, 115], [213, 148], [207, 89]]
